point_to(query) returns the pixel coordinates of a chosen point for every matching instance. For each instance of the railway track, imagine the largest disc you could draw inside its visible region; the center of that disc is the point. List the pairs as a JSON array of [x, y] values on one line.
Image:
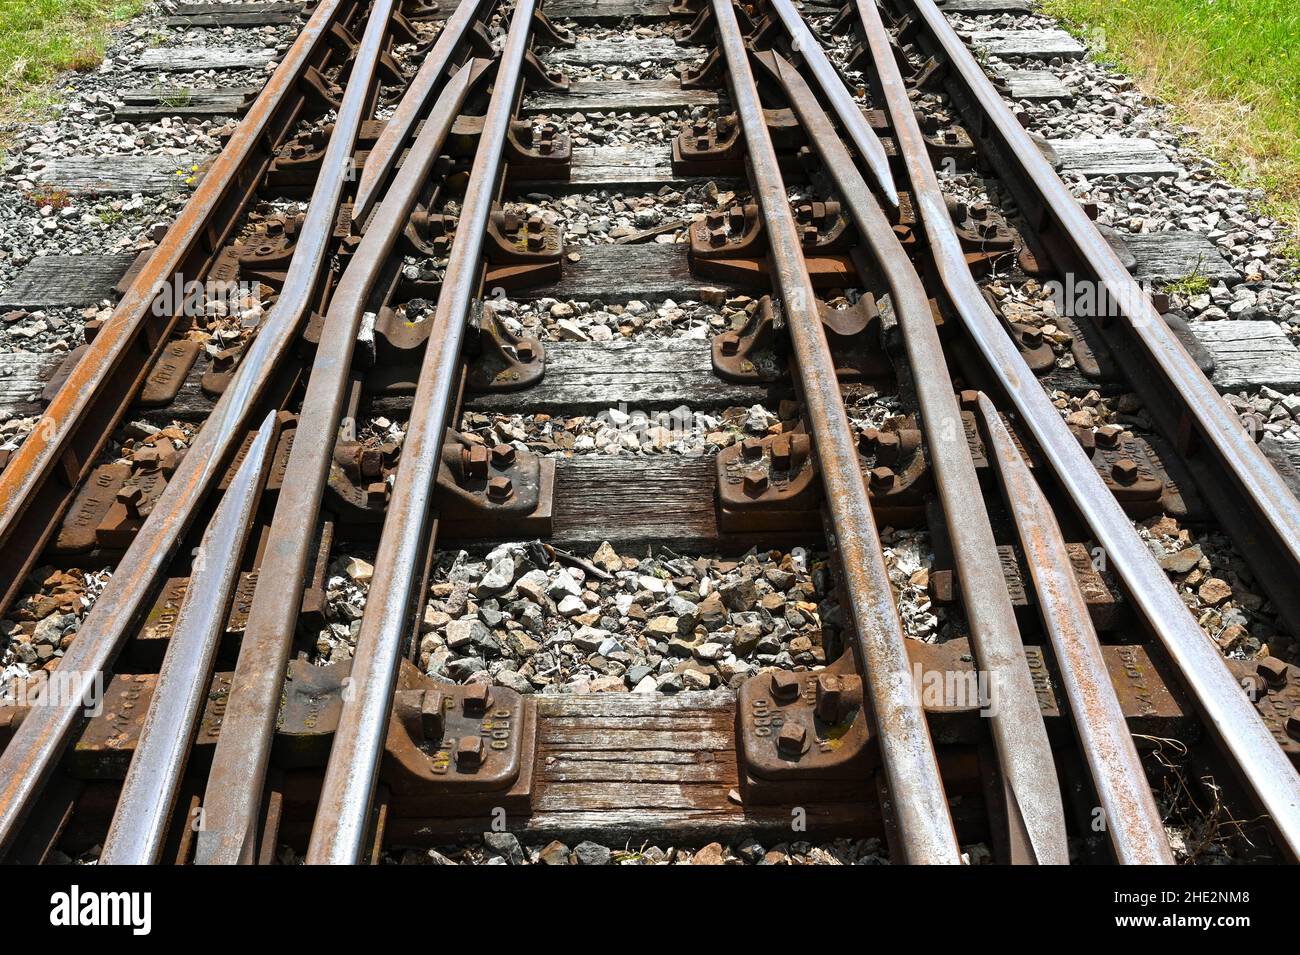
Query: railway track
[[364, 595]]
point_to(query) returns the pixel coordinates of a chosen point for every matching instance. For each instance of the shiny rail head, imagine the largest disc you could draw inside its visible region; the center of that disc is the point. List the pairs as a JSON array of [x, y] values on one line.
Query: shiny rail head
[[233, 796], [1134, 824], [344, 812], [397, 130], [911, 767], [1269, 775], [832, 85], [35, 748], [143, 816], [1023, 750]]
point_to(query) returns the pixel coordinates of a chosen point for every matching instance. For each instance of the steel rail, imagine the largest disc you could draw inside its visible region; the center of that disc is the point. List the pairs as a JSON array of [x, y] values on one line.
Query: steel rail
[[832, 85], [1248, 497], [1036, 816], [1219, 698], [238, 774], [29, 756], [51, 454], [144, 806], [397, 128], [343, 812], [1133, 823], [911, 769]]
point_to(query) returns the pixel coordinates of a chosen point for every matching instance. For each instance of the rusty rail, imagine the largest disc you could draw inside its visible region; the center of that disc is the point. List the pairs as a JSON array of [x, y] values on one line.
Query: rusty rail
[[144, 806], [1222, 704], [912, 772], [397, 129], [828, 79], [1251, 501], [1133, 823], [234, 792], [343, 814], [1036, 817], [37, 484], [30, 755]]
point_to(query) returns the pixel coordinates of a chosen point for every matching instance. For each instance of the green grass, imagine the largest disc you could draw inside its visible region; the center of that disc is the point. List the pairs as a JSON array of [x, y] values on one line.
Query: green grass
[[1189, 285], [41, 38], [1231, 68]]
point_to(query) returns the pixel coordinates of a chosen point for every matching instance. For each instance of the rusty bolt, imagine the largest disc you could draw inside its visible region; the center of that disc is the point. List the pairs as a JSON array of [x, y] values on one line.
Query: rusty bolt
[[1032, 337], [1108, 437], [969, 399], [882, 478], [889, 447], [752, 448], [474, 459], [730, 343], [376, 493], [717, 237], [1293, 724], [1273, 671], [755, 481], [132, 498], [781, 453], [370, 462], [431, 722], [469, 752], [868, 440], [784, 686], [790, 741], [476, 699], [500, 489], [830, 697], [503, 455], [1124, 471], [148, 458], [224, 360], [525, 352], [979, 212]]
